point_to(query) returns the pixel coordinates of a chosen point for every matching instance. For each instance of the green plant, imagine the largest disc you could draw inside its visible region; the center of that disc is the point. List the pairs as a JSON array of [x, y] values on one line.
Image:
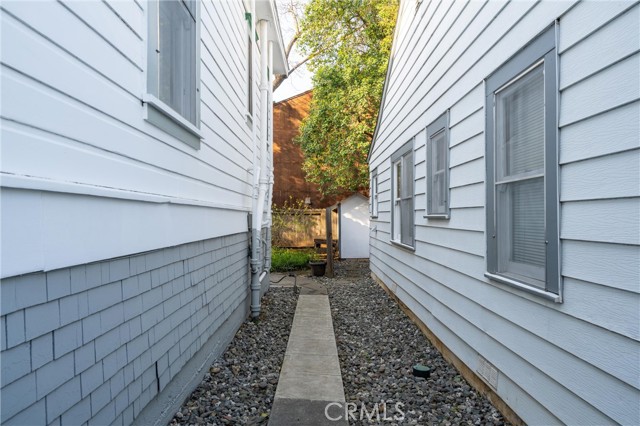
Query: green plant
[[284, 260], [316, 257]]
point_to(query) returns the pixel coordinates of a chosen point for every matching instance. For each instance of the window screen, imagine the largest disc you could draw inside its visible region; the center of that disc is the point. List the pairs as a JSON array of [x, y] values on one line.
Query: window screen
[[177, 57], [522, 170]]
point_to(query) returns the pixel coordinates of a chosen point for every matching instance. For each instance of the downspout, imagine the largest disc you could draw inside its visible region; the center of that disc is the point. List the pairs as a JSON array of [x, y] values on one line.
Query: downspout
[[271, 165], [257, 265]]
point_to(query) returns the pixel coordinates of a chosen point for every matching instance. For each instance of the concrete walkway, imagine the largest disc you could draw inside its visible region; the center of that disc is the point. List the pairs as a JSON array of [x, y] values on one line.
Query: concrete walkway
[[310, 377]]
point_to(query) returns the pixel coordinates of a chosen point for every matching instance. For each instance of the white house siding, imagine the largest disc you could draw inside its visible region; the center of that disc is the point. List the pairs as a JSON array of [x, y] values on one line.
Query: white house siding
[[123, 250], [577, 362], [72, 122]]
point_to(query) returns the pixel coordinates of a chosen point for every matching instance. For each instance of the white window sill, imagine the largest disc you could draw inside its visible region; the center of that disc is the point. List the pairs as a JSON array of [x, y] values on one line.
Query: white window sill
[[164, 117], [556, 298], [437, 216]]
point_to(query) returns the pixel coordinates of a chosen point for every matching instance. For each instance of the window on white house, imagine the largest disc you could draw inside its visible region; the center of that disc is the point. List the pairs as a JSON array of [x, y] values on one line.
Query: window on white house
[[249, 99], [374, 193], [522, 167], [402, 222], [438, 168], [173, 68]]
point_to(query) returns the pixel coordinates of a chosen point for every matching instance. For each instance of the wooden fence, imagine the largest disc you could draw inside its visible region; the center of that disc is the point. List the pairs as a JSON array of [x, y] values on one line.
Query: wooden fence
[[300, 228]]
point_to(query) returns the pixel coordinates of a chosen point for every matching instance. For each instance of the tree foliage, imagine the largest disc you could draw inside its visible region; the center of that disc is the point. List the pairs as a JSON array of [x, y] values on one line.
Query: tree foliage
[[349, 41]]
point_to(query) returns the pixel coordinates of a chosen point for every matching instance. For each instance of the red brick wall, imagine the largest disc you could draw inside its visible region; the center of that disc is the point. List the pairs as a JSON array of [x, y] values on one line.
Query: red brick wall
[[289, 178]]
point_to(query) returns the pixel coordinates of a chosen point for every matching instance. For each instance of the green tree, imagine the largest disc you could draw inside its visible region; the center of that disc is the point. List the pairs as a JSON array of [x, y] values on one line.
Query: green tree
[[347, 45], [348, 42]]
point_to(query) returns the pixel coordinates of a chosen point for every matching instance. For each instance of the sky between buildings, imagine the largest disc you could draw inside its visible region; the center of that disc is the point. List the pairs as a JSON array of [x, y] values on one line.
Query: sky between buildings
[[300, 80]]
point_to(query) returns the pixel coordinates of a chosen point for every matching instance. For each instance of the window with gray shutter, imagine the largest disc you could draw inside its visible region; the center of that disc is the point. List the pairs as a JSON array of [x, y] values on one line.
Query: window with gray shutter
[[522, 170]]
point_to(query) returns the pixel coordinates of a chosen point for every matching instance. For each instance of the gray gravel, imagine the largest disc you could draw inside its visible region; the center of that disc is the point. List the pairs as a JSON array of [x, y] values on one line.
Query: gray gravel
[[240, 386], [378, 345]]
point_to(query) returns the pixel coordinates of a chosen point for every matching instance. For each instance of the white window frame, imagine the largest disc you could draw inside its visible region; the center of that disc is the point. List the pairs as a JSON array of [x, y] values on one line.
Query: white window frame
[[402, 162], [249, 63], [440, 127], [540, 52], [156, 111], [373, 192]]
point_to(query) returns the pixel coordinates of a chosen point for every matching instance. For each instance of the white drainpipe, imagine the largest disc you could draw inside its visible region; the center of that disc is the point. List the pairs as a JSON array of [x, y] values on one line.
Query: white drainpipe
[[270, 143], [257, 265]]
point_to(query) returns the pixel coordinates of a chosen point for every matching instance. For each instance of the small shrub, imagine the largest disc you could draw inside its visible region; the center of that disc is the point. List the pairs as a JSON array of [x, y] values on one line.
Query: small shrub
[[284, 260]]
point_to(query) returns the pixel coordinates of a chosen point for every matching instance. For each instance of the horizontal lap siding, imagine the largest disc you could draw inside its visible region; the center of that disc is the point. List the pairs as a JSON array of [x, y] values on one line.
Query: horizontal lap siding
[[443, 280], [95, 78], [73, 76]]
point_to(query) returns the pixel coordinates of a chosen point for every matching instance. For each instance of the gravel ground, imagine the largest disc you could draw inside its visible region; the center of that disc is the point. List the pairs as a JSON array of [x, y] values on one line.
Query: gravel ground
[[378, 345], [240, 385]]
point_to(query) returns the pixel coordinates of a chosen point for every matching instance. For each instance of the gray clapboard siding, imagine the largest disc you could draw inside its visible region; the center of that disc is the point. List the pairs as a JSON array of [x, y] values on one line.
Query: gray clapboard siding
[[471, 195], [216, 39], [79, 40], [467, 173], [112, 102], [82, 114], [616, 40], [607, 221], [586, 18], [552, 370], [458, 71], [620, 127], [497, 48], [469, 127], [587, 260], [109, 27], [417, 22], [617, 312], [467, 105], [568, 334], [524, 404], [105, 99], [538, 346], [467, 241], [464, 219], [443, 14], [413, 92], [615, 86], [131, 14], [613, 176], [521, 313], [381, 148], [57, 148], [470, 150]]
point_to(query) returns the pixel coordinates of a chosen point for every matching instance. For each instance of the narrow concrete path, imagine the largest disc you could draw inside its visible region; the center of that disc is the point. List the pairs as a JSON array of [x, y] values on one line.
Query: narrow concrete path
[[310, 378]]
